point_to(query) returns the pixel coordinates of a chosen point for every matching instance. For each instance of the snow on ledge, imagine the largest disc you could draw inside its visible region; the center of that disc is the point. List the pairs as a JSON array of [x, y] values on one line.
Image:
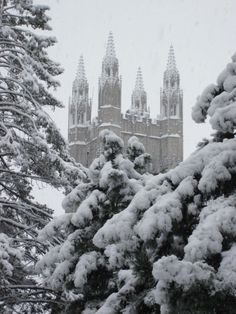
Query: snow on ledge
[[108, 106], [109, 124], [77, 143], [152, 136]]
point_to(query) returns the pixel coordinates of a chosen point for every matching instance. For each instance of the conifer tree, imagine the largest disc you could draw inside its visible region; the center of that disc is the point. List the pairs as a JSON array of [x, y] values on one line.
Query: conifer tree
[[136, 153], [83, 273], [31, 148], [182, 224]]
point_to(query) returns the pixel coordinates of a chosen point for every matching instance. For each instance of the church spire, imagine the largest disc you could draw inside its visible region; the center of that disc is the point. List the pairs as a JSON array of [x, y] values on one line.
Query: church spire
[[80, 104], [110, 52], [109, 97], [139, 97], [171, 65], [171, 95], [171, 74], [110, 64], [110, 56], [80, 75], [139, 80]]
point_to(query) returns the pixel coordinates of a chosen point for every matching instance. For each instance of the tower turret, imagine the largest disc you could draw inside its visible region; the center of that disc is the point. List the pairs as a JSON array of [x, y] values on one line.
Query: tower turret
[[139, 97], [172, 115], [109, 98], [110, 63], [171, 95], [80, 106]]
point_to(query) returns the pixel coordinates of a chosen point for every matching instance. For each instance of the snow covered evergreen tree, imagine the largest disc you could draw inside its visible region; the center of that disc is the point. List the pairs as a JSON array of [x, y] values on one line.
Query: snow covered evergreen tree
[[136, 153], [83, 273], [31, 147], [182, 225]]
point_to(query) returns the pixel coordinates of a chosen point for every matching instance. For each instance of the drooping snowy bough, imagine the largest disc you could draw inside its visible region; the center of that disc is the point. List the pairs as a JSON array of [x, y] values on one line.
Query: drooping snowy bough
[[82, 272], [174, 245], [31, 147]]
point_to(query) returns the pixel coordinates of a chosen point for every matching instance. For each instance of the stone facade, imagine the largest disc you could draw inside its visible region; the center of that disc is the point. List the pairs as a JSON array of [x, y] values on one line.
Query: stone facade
[[162, 137]]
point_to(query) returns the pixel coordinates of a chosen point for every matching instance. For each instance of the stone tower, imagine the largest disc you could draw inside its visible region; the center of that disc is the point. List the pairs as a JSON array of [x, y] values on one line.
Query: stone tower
[[139, 97], [171, 110], [162, 137], [171, 95], [80, 109], [109, 98]]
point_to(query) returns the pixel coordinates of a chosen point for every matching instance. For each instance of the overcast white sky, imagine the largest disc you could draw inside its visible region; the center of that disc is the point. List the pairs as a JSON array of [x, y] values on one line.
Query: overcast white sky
[[203, 33]]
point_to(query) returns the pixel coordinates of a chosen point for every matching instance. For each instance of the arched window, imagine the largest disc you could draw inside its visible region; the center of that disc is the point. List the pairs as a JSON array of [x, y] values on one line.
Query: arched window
[[172, 82], [82, 118], [174, 110], [164, 110]]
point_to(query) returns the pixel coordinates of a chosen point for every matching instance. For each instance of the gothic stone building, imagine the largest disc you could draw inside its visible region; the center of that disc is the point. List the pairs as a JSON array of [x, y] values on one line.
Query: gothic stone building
[[162, 137]]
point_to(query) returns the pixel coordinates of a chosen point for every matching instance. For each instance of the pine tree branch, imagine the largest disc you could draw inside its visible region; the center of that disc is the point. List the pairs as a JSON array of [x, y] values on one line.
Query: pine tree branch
[[26, 287], [22, 175], [14, 223]]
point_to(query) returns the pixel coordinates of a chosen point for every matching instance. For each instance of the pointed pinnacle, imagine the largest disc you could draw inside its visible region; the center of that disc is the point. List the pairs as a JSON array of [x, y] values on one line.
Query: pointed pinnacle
[[80, 75], [110, 52], [171, 65], [139, 80]]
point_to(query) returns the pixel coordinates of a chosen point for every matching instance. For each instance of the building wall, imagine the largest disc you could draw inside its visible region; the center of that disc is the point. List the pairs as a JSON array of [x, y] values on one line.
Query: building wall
[[162, 139]]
